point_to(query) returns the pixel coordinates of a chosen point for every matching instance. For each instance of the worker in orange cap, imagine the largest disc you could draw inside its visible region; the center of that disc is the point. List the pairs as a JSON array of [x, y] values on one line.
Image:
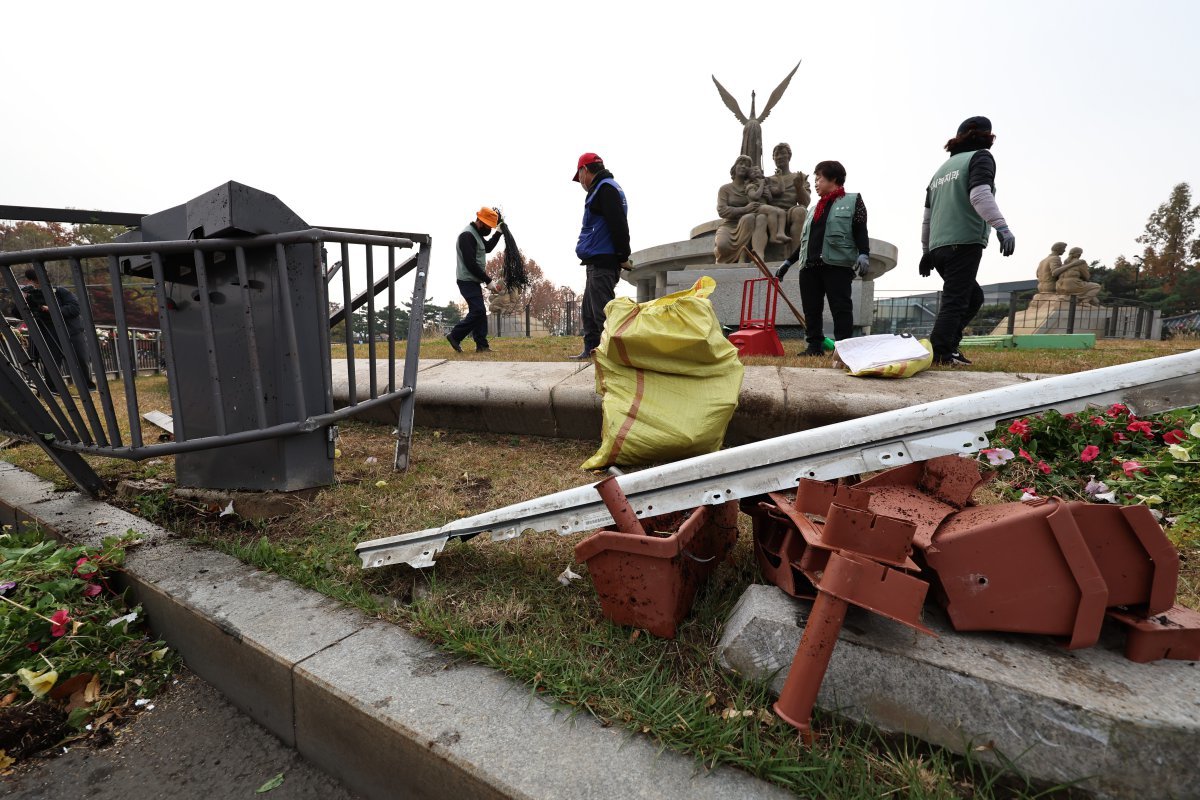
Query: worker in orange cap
[[472, 277]]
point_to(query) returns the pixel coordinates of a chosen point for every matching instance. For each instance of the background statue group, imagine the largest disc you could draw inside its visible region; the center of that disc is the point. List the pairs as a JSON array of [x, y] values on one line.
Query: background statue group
[[756, 209], [1058, 280]]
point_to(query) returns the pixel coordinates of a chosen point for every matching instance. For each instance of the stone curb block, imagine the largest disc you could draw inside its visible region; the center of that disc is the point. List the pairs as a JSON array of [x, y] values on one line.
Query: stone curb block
[[1131, 730]]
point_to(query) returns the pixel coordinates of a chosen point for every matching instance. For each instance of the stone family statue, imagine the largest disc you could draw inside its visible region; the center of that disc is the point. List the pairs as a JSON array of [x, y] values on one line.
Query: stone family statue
[[1058, 280], [757, 209], [740, 220], [752, 125], [1073, 279], [789, 191], [1049, 268]]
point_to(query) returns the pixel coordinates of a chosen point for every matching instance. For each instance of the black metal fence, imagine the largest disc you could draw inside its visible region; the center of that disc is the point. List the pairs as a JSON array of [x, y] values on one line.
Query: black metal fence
[[915, 314], [564, 320], [235, 397]]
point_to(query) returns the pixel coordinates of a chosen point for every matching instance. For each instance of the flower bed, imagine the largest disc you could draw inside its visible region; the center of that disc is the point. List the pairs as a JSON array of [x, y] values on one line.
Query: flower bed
[[74, 658]]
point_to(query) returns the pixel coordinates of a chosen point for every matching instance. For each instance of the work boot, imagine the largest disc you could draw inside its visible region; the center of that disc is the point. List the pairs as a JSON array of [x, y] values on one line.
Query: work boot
[[584, 355], [455, 345], [483, 349]]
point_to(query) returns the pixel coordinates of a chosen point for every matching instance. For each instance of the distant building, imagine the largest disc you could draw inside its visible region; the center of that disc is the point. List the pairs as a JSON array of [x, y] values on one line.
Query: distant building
[[915, 313]]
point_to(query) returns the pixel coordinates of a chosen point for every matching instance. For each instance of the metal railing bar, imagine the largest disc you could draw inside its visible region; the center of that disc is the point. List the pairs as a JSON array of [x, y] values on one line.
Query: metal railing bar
[[371, 361], [79, 429], [351, 382], [102, 388], [188, 245], [28, 365], [391, 295], [323, 336], [349, 308], [289, 324], [307, 425], [210, 339], [123, 354], [260, 407], [164, 322], [73, 364]]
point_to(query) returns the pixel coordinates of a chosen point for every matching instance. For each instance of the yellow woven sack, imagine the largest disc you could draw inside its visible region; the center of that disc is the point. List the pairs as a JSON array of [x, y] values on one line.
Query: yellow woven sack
[[900, 369], [669, 377]]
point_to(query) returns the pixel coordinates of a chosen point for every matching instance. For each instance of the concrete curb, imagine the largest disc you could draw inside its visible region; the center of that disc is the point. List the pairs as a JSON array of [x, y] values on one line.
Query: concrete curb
[[1130, 729], [560, 400], [379, 709]]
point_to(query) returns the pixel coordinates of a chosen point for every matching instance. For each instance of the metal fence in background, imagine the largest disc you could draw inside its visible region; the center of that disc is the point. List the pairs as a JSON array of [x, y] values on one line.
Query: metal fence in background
[[564, 320]]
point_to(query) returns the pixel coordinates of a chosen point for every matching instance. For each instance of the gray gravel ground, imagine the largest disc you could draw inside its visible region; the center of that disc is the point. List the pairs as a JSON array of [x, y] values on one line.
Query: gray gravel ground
[[193, 745]]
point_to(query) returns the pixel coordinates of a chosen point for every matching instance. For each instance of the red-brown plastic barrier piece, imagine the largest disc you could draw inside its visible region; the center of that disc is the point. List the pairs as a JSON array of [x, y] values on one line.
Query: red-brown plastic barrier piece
[[649, 581], [1173, 634], [847, 579], [617, 504]]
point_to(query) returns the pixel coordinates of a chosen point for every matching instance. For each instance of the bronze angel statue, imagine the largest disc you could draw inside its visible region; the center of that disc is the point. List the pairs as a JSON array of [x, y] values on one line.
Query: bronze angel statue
[[752, 125]]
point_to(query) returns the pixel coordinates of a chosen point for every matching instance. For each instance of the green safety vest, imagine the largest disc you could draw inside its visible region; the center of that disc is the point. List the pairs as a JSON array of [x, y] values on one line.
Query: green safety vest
[[838, 249], [463, 273], [953, 220]]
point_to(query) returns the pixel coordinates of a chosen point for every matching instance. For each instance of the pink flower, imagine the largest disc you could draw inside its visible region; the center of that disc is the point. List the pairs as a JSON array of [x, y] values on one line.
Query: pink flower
[[1024, 455], [84, 568], [1131, 467], [1099, 422], [1119, 437], [33, 647], [1117, 408], [58, 622], [1020, 427], [1141, 426], [1089, 453], [92, 589], [997, 455], [1043, 467], [1174, 437]]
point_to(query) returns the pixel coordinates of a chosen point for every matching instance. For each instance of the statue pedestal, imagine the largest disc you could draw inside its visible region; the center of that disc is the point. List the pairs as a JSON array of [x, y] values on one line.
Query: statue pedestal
[[1051, 313]]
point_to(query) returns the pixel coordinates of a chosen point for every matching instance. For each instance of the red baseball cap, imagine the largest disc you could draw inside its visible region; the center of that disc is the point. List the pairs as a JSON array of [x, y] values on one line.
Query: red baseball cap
[[584, 160]]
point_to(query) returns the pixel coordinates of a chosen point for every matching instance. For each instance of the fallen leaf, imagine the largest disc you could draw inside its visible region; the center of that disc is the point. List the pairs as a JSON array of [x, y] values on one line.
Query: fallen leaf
[[633, 637], [274, 783], [710, 699], [91, 692], [157, 655], [70, 686], [8, 699], [6, 760], [380, 484]]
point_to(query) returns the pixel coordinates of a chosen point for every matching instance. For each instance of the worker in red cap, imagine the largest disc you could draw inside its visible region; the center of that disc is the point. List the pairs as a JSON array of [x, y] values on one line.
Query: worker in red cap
[[960, 209], [603, 245], [472, 277]]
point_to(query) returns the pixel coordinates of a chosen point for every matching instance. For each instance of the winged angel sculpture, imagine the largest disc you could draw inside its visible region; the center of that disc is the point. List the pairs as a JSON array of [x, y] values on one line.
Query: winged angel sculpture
[[752, 125]]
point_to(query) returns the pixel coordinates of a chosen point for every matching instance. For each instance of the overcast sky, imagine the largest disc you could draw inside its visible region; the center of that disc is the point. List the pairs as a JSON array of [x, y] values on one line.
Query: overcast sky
[[409, 116]]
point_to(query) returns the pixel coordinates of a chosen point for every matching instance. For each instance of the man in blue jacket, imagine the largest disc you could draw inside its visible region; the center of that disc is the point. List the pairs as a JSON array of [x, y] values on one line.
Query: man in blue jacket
[[603, 245]]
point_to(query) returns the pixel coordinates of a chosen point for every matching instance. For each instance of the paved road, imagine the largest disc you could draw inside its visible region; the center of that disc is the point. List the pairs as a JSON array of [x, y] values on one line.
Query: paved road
[[193, 745]]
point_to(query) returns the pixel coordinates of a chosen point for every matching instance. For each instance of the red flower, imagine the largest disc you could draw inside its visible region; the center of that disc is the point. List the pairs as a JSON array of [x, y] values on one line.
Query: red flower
[[1174, 437], [84, 568], [1044, 467], [1020, 427], [1069, 415], [33, 647], [1117, 408], [1099, 422], [92, 589], [1024, 455], [1141, 426], [1089, 453], [1131, 467], [1119, 437], [58, 622]]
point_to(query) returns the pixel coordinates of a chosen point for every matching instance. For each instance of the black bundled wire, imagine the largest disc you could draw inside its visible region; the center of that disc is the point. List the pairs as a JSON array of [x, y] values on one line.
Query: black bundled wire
[[515, 279]]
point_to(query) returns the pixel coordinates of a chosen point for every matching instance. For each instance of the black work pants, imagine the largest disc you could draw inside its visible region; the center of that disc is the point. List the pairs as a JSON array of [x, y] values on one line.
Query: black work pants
[[475, 322], [958, 266], [600, 289], [821, 282]]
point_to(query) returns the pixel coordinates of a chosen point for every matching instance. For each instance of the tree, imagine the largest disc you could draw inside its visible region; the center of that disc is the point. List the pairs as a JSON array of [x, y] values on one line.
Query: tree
[[1171, 246]]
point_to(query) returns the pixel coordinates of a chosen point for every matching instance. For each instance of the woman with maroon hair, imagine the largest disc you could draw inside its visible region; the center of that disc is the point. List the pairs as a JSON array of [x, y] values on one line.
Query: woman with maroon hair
[[834, 249]]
